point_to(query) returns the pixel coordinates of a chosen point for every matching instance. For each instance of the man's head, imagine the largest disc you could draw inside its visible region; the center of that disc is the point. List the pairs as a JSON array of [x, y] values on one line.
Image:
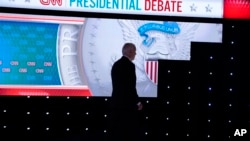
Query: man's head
[[129, 50]]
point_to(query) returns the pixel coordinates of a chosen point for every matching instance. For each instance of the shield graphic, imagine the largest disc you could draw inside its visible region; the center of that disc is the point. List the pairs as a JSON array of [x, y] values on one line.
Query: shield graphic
[[151, 69]]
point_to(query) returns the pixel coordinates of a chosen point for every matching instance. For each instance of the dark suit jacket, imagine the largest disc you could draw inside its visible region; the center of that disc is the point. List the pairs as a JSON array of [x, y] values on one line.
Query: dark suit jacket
[[124, 119], [124, 95]]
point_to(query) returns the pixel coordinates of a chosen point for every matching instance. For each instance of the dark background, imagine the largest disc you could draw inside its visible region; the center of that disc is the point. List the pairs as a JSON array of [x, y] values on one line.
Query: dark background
[[202, 99]]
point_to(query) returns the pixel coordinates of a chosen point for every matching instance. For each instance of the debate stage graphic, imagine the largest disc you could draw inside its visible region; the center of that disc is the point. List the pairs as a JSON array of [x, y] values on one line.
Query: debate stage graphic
[[65, 56]]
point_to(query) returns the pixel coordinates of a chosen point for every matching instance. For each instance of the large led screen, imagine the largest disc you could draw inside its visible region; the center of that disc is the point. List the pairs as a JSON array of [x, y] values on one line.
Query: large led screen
[[70, 56]]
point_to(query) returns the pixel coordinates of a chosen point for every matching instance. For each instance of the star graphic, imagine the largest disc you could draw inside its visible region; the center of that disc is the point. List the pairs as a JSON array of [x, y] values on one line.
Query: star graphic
[[208, 8], [193, 7]]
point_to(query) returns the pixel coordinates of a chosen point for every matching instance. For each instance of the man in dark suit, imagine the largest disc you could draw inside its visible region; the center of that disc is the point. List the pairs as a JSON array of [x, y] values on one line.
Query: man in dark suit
[[125, 104]]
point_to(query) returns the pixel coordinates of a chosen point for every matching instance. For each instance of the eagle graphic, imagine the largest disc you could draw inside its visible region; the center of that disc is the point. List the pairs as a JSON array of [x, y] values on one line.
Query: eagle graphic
[[157, 40]]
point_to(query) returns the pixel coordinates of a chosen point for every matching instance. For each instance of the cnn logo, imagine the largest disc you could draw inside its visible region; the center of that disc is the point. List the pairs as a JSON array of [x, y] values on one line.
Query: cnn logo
[[53, 2]]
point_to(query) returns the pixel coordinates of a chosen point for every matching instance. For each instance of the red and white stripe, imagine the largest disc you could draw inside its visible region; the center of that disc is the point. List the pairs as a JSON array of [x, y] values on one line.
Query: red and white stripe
[[151, 68]]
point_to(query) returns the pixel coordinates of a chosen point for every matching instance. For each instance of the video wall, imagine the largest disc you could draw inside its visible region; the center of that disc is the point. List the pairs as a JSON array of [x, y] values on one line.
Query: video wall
[[73, 56]]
